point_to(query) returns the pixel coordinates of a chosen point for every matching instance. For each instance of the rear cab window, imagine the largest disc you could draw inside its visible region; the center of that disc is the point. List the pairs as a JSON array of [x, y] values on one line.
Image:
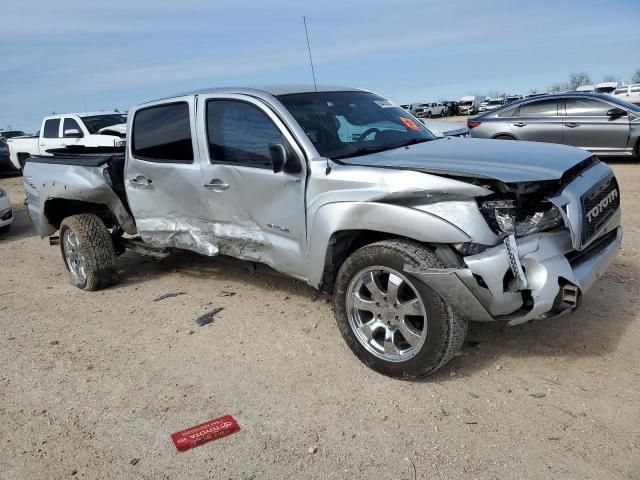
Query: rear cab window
[[51, 128], [162, 133]]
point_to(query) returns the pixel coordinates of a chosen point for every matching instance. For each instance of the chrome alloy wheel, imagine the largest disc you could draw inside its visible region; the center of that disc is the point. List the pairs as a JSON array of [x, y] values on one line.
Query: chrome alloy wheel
[[386, 313], [74, 258]]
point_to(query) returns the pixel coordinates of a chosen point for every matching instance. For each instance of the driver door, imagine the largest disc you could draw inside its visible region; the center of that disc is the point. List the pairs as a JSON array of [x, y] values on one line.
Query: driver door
[[255, 213]]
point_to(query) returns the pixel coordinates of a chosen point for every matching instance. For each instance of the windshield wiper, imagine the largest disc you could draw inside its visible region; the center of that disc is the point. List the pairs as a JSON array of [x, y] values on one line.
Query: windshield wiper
[[361, 151], [366, 150]]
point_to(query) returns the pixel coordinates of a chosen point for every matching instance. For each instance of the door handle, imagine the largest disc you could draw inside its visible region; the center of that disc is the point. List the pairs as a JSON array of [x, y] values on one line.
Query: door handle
[[571, 124], [520, 124], [216, 185], [140, 182]]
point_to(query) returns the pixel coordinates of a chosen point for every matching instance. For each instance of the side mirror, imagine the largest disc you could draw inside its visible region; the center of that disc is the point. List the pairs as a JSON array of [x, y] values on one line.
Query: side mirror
[[616, 112], [281, 161], [73, 133]]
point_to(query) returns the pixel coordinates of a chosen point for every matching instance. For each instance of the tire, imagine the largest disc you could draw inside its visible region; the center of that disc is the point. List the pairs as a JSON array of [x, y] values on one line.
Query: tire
[[429, 115], [504, 137], [443, 330], [88, 252], [22, 160]]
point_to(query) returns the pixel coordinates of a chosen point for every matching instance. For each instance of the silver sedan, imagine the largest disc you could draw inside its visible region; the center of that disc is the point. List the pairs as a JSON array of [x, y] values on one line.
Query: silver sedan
[[599, 123]]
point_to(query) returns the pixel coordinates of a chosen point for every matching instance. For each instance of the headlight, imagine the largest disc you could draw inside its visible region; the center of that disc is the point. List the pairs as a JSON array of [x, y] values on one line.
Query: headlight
[[521, 218], [2, 192]]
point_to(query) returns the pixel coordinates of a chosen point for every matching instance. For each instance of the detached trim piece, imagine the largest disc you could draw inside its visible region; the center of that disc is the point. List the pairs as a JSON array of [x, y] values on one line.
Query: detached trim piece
[[83, 161]]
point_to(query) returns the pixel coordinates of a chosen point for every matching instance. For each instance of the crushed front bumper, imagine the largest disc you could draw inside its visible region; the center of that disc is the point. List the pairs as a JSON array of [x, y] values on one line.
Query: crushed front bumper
[[557, 276]]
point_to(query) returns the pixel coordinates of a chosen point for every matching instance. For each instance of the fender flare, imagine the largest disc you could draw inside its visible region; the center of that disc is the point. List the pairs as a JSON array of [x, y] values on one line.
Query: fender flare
[[373, 216]]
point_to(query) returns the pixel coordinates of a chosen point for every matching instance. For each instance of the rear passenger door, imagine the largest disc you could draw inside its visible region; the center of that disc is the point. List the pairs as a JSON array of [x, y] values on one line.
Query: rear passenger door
[[257, 214], [162, 177], [51, 137], [538, 121]]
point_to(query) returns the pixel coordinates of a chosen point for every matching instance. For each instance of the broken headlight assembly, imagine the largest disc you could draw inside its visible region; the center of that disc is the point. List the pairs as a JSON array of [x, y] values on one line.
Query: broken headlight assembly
[[519, 218]]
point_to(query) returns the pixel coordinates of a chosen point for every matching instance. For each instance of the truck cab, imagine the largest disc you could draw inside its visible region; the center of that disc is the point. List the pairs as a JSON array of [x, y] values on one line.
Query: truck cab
[[89, 129]]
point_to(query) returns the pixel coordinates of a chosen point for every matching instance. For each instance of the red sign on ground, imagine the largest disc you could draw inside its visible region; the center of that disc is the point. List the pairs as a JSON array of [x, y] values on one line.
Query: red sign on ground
[[205, 432]]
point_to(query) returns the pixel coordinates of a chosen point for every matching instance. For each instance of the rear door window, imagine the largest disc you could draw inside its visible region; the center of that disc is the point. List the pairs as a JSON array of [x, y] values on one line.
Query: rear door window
[[586, 107], [543, 108], [162, 133], [51, 128]]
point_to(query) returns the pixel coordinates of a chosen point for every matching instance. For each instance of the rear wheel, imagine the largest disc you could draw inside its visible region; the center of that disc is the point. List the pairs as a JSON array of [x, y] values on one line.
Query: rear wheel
[[394, 323], [88, 252]]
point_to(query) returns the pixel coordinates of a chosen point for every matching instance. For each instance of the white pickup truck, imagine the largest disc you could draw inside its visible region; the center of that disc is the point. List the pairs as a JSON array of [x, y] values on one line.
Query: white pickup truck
[[90, 129]]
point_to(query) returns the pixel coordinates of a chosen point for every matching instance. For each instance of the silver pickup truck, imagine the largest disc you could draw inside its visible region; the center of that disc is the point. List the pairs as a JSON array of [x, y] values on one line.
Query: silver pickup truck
[[414, 235]]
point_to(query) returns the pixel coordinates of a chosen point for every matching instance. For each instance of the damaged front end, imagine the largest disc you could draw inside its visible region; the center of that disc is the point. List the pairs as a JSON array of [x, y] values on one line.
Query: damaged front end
[[555, 240]]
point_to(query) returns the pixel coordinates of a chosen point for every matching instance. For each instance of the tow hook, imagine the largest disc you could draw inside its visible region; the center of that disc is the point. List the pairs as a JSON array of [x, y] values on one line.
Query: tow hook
[[514, 262]]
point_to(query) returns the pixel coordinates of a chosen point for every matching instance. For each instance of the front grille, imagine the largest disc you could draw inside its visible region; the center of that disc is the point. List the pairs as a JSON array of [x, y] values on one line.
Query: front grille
[[598, 205]]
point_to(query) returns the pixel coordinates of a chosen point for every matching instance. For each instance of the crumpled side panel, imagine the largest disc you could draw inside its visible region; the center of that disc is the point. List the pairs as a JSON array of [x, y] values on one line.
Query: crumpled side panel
[[207, 238]]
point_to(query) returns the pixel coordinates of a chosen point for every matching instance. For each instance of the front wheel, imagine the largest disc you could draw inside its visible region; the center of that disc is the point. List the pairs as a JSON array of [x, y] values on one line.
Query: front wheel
[[88, 252], [394, 323]]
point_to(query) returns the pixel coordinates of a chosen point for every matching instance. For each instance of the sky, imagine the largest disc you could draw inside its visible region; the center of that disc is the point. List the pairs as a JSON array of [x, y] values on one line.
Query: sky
[[74, 55]]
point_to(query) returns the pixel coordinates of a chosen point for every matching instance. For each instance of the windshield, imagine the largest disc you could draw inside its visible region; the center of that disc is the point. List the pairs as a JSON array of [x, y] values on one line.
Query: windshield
[[465, 103], [96, 122], [349, 124], [494, 102]]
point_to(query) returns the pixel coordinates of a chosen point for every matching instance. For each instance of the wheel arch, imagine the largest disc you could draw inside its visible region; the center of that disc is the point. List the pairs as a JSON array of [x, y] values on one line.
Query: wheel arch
[[504, 134], [338, 229]]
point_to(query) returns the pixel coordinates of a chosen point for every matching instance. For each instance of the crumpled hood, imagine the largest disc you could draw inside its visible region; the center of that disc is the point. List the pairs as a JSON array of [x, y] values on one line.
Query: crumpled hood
[[504, 160]]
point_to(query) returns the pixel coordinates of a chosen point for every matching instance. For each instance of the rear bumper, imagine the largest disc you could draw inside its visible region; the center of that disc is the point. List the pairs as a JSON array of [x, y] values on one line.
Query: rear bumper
[[557, 277]]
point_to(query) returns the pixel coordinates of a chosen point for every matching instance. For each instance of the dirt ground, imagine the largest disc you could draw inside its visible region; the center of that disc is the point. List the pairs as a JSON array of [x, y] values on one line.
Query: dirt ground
[[91, 381]]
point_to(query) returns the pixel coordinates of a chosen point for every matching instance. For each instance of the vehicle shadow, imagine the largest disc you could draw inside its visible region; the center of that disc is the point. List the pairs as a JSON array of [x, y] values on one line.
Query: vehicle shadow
[[597, 326], [135, 268]]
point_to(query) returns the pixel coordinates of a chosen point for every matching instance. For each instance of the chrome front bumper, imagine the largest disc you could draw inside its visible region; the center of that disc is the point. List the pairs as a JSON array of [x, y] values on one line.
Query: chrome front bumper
[[550, 263]]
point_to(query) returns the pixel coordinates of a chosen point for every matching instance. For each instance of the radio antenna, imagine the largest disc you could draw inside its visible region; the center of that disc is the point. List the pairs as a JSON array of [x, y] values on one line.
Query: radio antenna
[[313, 74]]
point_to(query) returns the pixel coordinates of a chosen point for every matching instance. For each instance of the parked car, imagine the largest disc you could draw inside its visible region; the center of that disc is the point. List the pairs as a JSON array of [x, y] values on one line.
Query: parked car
[[513, 98], [411, 107], [450, 108], [6, 166], [414, 235], [445, 128], [469, 105], [483, 106], [494, 102], [606, 87], [6, 134], [628, 93], [71, 129], [6, 212], [602, 124], [430, 109]]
